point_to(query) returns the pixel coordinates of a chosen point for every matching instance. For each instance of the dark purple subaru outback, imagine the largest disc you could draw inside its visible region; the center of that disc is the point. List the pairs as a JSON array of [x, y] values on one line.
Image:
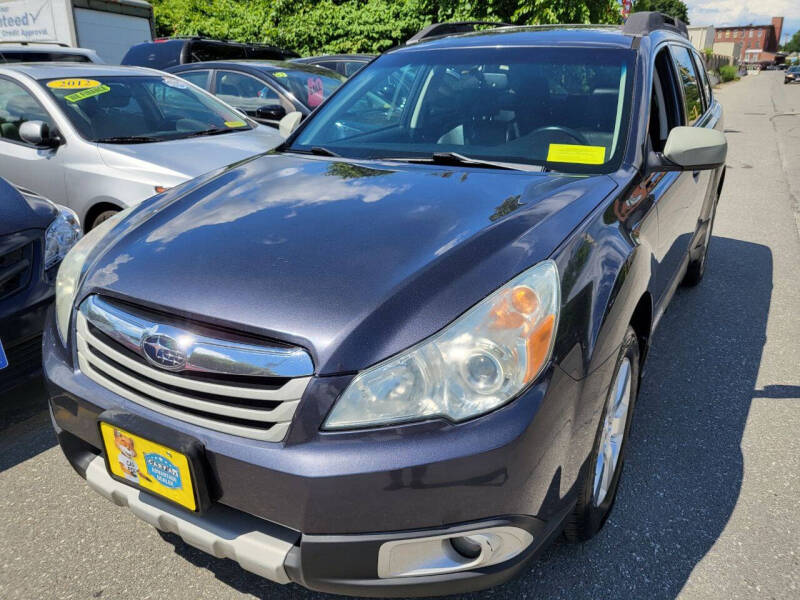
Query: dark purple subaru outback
[[400, 354]]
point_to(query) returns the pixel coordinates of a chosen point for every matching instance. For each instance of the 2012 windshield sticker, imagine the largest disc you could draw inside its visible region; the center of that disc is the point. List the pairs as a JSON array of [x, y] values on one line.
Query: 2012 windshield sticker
[[72, 84], [82, 95]]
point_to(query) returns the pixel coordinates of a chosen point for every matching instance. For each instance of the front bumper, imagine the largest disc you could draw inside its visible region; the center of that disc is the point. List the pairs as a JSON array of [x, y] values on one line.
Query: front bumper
[[22, 319], [334, 564], [518, 466]]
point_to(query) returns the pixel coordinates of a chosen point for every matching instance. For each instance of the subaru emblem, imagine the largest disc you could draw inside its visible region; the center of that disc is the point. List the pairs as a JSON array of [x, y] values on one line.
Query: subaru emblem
[[164, 351]]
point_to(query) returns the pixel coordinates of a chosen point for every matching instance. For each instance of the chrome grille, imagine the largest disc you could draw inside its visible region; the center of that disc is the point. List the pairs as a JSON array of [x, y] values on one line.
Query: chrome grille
[[238, 388]]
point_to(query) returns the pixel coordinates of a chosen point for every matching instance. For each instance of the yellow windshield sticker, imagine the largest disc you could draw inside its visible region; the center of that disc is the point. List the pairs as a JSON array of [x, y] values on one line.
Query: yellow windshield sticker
[[72, 84], [280, 74], [82, 95], [235, 123], [571, 153]]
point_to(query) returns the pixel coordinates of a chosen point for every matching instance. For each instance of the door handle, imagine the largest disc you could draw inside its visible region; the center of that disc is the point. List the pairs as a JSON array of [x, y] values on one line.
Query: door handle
[[696, 175]]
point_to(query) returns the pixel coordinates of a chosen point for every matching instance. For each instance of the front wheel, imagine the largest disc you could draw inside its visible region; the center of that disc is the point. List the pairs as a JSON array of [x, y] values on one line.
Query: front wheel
[[599, 488], [103, 216]]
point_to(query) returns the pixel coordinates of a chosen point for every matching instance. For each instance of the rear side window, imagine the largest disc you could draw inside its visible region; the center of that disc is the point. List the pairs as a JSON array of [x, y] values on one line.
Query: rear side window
[[157, 55], [701, 71], [691, 88], [199, 78], [204, 51], [13, 57]]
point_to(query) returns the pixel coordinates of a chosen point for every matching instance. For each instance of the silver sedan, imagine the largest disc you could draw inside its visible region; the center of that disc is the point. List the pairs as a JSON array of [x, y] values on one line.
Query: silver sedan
[[100, 138]]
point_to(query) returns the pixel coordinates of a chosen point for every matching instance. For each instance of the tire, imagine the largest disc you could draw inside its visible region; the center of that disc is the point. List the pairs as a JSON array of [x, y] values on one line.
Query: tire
[[697, 267], [599, 487], [103, 216]]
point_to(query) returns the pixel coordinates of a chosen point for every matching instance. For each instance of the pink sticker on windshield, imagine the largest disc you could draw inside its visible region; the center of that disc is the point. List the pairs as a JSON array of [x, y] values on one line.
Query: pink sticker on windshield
[[316, 92]]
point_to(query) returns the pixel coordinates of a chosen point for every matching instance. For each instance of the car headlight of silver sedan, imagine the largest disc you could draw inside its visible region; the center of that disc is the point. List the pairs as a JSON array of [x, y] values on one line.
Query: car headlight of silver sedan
[[61, 235], [69, 273], [476, 364]]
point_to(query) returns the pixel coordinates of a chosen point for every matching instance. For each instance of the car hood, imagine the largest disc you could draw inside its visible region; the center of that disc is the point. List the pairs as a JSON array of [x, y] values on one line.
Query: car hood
[[187, 158], [352, 260], [18, 211]]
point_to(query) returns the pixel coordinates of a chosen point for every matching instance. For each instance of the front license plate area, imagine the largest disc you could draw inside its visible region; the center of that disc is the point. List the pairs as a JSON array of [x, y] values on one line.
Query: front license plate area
[[135, 454]]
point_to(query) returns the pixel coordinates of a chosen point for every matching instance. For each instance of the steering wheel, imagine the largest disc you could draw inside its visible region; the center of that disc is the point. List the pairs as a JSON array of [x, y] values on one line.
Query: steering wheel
[[574, 134]]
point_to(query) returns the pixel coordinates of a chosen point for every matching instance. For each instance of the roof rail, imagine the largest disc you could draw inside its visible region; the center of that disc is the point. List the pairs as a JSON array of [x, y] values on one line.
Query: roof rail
[[451, 28], [26, 43], [642, 23]]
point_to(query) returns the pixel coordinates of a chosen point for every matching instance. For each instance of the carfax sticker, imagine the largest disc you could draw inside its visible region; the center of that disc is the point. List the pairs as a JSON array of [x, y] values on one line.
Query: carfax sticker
[[235, 123], [572, 153], [82, 95], [279, 74], [72, 84]]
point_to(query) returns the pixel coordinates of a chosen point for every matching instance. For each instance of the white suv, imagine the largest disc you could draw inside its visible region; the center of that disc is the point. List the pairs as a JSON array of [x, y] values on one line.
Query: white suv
[[45, 52]]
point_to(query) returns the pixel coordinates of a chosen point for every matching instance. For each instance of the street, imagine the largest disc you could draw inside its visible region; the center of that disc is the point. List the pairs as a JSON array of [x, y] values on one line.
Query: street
[[708, 503]]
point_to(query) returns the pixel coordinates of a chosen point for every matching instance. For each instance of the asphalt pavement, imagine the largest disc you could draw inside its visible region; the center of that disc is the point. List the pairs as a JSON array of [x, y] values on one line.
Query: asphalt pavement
[[709, 503]]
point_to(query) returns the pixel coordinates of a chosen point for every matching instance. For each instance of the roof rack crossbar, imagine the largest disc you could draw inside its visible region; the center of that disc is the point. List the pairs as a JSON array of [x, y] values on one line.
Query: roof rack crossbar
[[29, 43], [451, 28], [642, 23]]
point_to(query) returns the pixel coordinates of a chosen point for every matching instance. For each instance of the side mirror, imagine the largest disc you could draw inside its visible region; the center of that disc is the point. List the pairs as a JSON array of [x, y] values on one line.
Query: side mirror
[[690, 149], [38, 133], [270, 113], [289, 123]]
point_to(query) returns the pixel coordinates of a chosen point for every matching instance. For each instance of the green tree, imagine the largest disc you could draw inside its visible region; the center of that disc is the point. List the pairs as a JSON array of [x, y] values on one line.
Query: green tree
[[320, 26], [793, 45], [674, 8]]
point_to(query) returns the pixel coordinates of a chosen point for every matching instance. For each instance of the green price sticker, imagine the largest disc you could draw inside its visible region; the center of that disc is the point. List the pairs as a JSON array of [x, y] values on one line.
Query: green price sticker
[[83, 94]]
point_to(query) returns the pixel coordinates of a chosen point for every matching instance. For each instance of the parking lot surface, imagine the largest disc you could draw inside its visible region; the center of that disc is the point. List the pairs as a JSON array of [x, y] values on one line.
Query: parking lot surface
[[708, 504]]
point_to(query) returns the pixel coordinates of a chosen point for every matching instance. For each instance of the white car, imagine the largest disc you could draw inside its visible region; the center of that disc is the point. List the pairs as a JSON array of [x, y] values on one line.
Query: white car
[[100, 138], [14, 52]]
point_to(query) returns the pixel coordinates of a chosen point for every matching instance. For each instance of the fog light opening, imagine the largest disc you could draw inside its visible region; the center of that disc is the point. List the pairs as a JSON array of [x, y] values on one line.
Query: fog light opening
[[451, 552], [467, 546]]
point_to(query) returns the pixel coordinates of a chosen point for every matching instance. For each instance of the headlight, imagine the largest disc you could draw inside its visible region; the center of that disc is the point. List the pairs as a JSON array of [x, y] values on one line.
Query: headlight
[[476, 364], [69, 273], [60, 236]]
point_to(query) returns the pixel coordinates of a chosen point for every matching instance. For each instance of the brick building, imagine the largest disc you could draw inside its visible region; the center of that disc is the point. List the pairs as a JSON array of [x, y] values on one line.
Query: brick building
[[759, 43]]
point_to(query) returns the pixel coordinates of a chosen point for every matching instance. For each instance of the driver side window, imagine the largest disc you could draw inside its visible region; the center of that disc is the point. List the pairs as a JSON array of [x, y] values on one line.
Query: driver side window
[[18, 106], [665, 102]]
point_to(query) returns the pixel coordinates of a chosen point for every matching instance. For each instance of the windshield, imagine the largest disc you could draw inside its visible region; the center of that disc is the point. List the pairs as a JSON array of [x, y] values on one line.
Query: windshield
[[125, 109], [565, 108], [309, 87]]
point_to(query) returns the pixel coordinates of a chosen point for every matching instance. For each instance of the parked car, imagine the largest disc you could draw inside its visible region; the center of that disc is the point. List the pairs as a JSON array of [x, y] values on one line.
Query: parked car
[[169, 52], [264, 90], [14, 52], [344, 64], [35, 235], [791, 75], [101, 138], [400, 353]]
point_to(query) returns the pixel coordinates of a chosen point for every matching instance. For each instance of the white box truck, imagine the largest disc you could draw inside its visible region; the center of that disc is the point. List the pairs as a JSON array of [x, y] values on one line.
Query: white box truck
[[109, 27]]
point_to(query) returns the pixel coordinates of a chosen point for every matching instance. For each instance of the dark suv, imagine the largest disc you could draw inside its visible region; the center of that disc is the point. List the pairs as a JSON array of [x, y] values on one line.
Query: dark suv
[[169, 52], [35, 235], [400, 353]]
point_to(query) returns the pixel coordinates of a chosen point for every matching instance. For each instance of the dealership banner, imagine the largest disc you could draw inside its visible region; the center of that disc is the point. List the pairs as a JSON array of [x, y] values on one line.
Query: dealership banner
[[27, 21]]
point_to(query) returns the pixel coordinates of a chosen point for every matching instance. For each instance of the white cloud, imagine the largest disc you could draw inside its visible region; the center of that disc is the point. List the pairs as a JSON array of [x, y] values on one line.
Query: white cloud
[[735, 12]]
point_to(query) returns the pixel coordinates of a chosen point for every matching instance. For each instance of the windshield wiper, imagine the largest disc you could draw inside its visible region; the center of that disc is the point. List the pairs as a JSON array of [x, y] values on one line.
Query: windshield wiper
[[215, 131], [128, 139], [454, 158]]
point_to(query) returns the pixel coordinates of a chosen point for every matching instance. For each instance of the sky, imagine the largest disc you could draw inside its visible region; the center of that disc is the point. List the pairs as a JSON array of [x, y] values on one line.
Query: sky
[[744, 12]]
